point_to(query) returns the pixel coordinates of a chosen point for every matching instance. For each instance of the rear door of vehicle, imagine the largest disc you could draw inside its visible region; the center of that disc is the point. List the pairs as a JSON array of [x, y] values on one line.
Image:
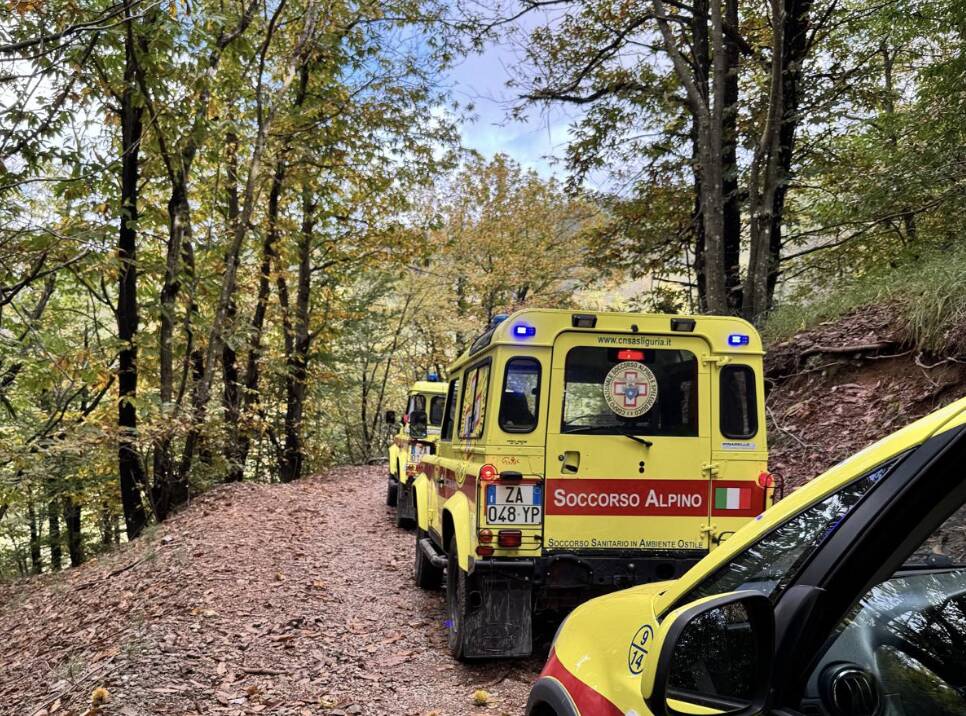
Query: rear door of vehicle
[[610, 394]]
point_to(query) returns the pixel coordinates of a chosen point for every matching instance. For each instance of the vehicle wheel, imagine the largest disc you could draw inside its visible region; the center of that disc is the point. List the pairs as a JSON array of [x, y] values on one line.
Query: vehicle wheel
[[456, 589], [427, 576], [401, 520], [392, 492]]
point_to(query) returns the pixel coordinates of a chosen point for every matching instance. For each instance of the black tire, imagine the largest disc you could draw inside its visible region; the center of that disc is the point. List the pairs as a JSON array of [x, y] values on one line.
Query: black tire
[[456, 597], [542, 710], [401, 522], [405, 498], [427, 576], [392, 492]]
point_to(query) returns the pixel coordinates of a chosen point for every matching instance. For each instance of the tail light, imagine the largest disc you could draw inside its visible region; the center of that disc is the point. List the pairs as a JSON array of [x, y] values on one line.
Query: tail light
[[489, 473], [509, 538], [766, 480], [484, 551], [486, 536]]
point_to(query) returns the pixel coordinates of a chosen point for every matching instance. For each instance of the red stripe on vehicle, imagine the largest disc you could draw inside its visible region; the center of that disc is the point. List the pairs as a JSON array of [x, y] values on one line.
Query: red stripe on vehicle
[[587, 701], [590, 496]]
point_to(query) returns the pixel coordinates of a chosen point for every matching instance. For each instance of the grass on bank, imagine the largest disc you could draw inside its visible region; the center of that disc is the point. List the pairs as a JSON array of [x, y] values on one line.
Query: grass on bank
[[928, 295]]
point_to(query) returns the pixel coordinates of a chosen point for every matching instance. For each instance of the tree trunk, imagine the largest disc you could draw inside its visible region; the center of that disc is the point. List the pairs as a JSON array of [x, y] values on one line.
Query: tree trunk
[[179, 230], [702, 66], [75, 541], [36, 559], [131, 472], [108, 525], [708, 116], [290, 465], [251, 397], [796, 50], [53, 536], [729, 158]]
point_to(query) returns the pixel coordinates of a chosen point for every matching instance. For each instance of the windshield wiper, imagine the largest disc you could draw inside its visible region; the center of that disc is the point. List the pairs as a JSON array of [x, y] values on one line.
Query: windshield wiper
[[618, 426], [643, 441]]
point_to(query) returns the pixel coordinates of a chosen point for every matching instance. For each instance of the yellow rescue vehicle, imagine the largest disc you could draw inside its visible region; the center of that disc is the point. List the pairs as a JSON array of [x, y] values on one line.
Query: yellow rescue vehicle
[[581, 453], [417, 435], [847, 598]]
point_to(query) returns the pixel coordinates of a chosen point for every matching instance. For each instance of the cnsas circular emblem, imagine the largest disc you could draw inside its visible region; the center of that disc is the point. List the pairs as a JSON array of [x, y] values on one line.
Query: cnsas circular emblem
[[630, 389]]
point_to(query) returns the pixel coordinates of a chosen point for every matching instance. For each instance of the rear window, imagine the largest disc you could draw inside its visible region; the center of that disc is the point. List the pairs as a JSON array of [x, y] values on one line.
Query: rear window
[[739, 403], [436, 406], [609, 391], [521, 396]]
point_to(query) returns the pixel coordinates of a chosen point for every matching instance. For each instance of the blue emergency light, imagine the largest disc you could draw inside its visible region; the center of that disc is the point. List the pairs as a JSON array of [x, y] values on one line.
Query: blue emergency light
[[738, 339], [524, 330]]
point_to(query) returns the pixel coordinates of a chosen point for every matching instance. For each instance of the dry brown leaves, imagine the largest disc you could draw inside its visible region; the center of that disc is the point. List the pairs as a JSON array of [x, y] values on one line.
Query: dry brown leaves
[[289, 599], [826, 405]]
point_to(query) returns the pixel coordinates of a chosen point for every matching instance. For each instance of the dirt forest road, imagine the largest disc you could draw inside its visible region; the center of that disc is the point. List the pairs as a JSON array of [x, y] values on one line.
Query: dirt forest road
[[288, 599]]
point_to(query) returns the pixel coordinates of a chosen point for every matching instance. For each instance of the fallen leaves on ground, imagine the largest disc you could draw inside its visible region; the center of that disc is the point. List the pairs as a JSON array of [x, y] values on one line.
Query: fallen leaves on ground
[[828, 405], [294, 599]]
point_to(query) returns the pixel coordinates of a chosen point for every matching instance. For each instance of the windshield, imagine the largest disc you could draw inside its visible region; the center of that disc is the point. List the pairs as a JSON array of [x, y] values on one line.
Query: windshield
[[436, 405], [610, 391], [769, 564]]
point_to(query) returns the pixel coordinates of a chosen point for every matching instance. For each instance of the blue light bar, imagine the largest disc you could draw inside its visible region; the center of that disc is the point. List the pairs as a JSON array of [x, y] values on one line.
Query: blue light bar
[[524, 330], [738, 339]]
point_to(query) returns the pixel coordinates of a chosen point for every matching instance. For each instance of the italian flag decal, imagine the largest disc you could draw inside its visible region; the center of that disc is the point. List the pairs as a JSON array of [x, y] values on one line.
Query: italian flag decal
[[732, 498]]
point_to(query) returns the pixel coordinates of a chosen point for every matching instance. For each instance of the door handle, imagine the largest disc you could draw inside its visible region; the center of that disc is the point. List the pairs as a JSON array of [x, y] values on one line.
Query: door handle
[[571, 461]]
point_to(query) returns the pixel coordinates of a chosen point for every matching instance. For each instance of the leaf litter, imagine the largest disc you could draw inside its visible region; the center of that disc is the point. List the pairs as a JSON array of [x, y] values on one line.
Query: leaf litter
[[295, 600]]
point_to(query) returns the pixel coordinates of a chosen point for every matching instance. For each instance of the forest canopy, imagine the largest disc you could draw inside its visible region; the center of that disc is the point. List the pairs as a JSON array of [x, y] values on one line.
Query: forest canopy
[[232, 233]]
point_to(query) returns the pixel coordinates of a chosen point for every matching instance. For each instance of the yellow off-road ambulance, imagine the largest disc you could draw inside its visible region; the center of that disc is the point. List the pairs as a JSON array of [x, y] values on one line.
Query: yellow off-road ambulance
[[846, 598], [417, 435], [581, 453]]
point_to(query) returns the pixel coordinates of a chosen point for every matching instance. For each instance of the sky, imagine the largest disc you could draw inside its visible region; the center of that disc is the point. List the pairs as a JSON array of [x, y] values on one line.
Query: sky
[[481, 80]]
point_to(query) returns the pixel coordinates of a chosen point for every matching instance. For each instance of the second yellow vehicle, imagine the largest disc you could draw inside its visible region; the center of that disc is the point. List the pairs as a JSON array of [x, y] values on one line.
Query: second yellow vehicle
[[582, 453], [417, 435]]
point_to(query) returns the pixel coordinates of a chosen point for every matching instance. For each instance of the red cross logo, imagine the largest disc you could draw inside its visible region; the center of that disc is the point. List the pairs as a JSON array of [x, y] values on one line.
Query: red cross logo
[[630, 388]]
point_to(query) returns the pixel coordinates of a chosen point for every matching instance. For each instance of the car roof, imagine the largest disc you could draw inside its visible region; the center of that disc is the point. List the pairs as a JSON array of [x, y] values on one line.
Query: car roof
[[551, 322], [911, 436], [428, 386]]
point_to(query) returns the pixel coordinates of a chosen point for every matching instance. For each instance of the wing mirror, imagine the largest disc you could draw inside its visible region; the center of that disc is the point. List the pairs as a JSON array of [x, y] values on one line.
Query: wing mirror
[[715, 653], [390, 417]]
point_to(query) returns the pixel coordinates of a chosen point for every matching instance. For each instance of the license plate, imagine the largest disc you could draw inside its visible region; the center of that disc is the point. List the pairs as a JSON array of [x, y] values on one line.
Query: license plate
[[513, 504]]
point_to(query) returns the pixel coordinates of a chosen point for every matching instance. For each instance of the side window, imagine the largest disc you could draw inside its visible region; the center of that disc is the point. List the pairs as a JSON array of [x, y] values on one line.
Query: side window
[[905, 635], [738, 403], [474, 402], [446, 433], [770, 563], [436, 406], [520, 398]]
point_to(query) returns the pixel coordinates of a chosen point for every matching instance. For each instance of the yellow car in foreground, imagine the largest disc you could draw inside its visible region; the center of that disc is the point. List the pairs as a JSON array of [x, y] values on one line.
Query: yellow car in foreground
[[846, 598]]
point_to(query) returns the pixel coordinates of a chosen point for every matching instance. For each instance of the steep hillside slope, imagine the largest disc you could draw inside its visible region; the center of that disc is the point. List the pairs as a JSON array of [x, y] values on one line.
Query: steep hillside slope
[[846, 383]]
